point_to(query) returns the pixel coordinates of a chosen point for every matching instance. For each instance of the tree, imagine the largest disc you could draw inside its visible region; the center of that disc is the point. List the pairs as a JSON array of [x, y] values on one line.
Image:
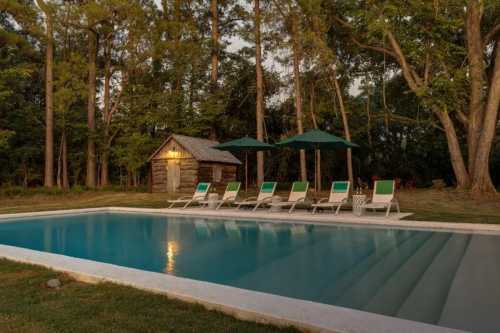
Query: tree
[[291, 24], [49, 94], [259, 112], [429, 48]]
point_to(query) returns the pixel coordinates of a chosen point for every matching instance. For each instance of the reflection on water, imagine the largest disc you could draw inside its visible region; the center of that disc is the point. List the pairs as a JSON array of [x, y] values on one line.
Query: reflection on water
[[172, 249], [404, 273]]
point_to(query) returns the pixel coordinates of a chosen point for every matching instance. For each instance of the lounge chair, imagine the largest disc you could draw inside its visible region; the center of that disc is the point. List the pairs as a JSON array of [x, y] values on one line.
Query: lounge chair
[[200, 194], [383, 197], [266, 194], [230, 195], [339, 196], [297, 194]]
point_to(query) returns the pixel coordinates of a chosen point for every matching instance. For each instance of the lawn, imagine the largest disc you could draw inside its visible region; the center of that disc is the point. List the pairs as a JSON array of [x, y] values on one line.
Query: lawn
[[426, 204], [27, 305]]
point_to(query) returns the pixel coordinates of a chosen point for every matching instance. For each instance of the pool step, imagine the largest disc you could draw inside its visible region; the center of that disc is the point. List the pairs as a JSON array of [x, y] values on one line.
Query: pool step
[[473, 302], [285, 276], [349, 277], [396, 289], [426, 300], [365, 288]]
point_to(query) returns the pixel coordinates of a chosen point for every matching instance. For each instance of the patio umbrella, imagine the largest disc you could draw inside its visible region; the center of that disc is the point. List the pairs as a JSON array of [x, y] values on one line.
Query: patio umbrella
[[245, 144], [316, 139]]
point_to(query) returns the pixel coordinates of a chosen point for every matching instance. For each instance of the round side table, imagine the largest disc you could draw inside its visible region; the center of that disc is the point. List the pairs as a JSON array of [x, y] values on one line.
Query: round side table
[[357, 204], [213, 200], [276, 199]]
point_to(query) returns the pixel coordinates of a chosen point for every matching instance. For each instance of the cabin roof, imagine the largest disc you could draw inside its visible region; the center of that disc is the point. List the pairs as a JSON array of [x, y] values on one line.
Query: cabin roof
[[201, 149]]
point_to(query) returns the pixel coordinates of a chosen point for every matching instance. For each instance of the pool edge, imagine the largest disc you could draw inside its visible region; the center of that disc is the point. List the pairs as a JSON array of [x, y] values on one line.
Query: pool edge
[[298, 217]]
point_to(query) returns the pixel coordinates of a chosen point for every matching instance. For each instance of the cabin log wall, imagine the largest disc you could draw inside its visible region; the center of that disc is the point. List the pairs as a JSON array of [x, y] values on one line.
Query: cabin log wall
[[191, 170]]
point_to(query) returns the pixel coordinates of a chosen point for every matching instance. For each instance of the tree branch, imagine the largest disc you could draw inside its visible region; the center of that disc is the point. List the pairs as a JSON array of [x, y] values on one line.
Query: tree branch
[[374, 48], [491, 34]]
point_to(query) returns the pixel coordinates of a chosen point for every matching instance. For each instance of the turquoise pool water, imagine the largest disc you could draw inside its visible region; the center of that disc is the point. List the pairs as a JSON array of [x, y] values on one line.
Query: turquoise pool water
[[432, 277]]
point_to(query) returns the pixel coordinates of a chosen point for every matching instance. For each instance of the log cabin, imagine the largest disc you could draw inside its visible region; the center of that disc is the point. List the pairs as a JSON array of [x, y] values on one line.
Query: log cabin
[[183, 161]]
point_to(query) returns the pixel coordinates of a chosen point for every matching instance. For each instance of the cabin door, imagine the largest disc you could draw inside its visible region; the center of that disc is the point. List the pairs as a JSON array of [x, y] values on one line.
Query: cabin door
[[173, 175]]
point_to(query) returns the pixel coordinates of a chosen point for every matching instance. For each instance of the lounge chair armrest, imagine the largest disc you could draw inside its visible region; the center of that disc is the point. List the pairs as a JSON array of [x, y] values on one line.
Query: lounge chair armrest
[[185, 197], [231, 198], [267, 199], [322, 200], [301, 199], [250, 199]]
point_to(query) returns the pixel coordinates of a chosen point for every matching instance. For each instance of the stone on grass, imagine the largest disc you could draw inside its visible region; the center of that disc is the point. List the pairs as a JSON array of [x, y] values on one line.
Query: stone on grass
[[54, 283]]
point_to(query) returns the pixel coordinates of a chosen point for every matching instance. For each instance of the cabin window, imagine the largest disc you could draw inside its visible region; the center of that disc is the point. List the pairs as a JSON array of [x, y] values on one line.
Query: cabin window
[[216, 173]]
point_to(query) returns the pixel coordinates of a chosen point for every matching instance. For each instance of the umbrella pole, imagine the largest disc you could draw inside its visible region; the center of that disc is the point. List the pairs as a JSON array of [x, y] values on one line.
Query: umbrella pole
[[316, 171], [246, 171]]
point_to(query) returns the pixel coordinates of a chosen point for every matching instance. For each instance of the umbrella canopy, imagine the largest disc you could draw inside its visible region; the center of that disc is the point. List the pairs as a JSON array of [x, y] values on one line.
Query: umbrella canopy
[[316, 139], [244, 144]]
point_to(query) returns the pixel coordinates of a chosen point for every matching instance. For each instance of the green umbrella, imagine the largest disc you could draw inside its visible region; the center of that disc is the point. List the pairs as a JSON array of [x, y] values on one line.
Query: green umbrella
[[245, 144], [316, 139]]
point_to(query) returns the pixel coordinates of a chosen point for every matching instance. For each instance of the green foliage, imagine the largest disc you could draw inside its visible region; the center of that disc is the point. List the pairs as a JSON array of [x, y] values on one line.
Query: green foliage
[[160, 62]]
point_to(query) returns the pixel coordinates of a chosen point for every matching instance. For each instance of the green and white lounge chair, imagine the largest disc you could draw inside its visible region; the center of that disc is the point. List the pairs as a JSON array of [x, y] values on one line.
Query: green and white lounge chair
[[339, 196], [230, 195], [297, 194], [200, 194], [383, 196], [266, 194]]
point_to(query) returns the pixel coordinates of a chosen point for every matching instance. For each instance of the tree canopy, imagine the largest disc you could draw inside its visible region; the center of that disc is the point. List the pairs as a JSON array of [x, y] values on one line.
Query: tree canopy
[[88, 89]]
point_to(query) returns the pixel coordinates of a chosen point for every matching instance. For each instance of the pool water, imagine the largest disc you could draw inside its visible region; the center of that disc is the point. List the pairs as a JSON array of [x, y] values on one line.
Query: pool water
[[447, 279]]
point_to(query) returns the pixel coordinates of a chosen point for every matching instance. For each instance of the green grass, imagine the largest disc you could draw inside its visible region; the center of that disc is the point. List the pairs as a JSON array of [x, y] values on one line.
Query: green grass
[[26, 305]]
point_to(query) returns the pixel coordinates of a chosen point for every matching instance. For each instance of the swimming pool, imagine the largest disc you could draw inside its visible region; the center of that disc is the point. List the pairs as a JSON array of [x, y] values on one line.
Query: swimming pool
[[441, 278]]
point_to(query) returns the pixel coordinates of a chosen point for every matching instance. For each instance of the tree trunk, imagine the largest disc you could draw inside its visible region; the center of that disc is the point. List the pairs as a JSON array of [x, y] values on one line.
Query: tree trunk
[[317, 152], [457, 161], [298, 91], [215, 43], [260, 92], [65, 177], [369, 121], [345, 123], [49, 96], [481, 181], [62, 164], [91, 86], [214, 20], [106, 115], [476, 74], [59, 166]]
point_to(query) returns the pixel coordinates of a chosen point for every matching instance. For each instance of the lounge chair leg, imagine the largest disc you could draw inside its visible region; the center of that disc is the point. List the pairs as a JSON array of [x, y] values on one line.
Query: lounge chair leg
[[219, 205], [256, 206], [314, 209], [338, 209], [187, 204], [388, 210], [397, 207], [291, 209]]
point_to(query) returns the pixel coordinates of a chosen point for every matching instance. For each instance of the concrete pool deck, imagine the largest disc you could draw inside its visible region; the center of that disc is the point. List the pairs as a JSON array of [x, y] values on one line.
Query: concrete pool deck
[[244, 304]]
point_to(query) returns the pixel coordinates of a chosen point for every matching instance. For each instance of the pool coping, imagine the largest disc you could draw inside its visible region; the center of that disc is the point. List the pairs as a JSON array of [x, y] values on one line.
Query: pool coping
[[241, 303], [297, 217]]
